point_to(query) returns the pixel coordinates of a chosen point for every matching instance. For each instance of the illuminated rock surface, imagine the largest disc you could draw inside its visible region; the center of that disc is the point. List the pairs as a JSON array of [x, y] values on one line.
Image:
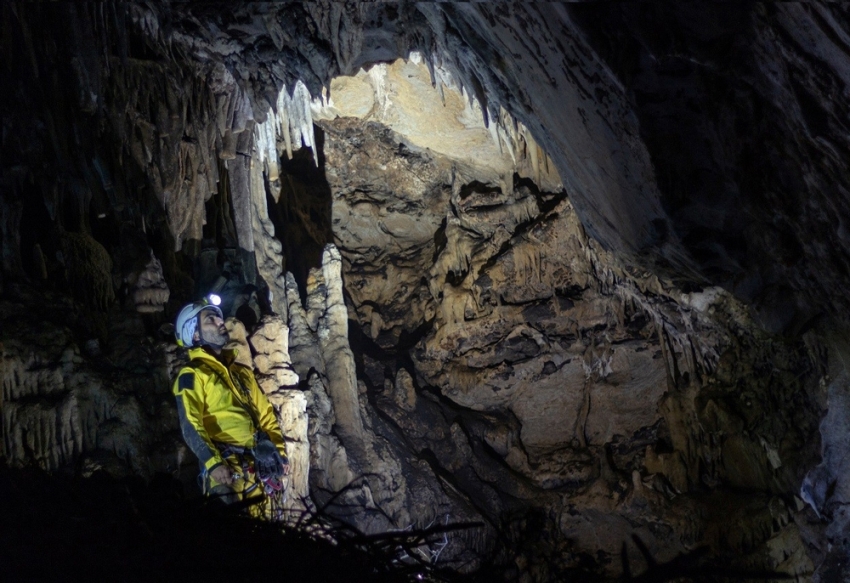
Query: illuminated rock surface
[[578, 272]]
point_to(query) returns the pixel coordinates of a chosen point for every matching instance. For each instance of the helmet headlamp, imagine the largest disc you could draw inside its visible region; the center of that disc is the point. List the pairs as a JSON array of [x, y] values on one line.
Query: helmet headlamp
[[187, 319]]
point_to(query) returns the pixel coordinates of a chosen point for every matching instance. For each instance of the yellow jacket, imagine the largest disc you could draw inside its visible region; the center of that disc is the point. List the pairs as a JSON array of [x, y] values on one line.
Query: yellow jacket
[[214, 408]]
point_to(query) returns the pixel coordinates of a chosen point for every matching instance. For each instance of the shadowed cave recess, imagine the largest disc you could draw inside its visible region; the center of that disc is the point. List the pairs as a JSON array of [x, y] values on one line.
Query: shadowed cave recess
[[577, 273]]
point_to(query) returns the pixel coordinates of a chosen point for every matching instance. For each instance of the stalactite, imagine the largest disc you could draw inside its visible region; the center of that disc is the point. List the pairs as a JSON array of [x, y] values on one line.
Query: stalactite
[[240, 189], [268, 250], [524, 306], [292, 123]]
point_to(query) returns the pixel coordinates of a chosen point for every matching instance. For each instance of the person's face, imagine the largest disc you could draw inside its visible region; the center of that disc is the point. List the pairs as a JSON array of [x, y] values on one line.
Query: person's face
[[212, 331]]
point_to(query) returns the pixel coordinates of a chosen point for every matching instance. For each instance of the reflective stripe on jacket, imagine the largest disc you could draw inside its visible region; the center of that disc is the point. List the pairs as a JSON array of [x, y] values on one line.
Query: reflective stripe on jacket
[[213, 407]]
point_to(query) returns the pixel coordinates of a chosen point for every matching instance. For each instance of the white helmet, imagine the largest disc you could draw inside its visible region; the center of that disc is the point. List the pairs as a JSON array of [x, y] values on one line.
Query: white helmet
[[187, 320]]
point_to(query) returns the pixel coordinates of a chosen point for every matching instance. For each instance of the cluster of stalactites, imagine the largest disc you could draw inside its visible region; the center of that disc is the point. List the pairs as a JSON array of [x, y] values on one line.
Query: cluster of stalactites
[[291, 125], [509, 134]]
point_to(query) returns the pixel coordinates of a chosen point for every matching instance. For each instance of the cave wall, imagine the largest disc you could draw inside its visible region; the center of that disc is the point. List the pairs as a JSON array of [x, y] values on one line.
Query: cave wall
[[757, 201], [655, 349], [611, 104], [561, 381]]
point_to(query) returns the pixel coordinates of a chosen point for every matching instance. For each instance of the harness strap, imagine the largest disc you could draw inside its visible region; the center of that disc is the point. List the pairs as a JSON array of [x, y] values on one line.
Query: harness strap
[[227, 449], [241, 453]]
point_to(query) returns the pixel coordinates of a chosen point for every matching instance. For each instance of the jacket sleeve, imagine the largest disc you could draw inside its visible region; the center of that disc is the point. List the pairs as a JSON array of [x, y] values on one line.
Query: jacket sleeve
[[190, 408], [267, 418]]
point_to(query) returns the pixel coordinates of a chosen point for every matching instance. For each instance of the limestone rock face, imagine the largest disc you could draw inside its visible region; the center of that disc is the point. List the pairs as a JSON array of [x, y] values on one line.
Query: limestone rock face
[[434, 113], [150, 290], [385, 229], [586, 282], [378, 483], [606, 114], [772, 128], [270, 343], [595, 381], [89, 268], [64, 406], [277, 379]]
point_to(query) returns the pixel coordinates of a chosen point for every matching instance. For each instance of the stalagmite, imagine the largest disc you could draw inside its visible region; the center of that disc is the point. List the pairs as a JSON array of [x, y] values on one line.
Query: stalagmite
[[150, 290], [279, 382], [291, 407], [270, 343], [303, 348], [336, 352]]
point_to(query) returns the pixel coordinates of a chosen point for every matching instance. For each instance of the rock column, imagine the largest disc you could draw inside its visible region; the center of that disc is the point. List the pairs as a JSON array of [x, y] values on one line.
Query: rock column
[[279, 382]]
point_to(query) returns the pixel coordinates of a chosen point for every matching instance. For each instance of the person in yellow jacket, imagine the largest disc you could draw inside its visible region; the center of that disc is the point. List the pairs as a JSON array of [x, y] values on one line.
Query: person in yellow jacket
[[225, 418]]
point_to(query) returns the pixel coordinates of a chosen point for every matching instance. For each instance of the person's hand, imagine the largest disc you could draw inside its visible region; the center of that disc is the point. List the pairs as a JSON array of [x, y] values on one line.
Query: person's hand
[[267, 460], [223, 475], [287, 469]]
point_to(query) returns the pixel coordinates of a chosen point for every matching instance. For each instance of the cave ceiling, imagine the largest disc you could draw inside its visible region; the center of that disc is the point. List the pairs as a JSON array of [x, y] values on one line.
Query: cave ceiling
[[576, 271]]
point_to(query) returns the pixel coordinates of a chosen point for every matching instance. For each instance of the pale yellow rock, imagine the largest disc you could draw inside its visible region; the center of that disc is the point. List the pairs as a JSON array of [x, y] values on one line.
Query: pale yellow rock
[[239, 341], [405, 392], [400, 95], [291, 407], [270, 342], [267, 248], [150, 290], [336, 352]]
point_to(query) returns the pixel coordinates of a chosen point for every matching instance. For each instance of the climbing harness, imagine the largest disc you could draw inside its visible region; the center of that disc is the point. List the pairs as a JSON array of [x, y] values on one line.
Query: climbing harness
[[243, 460], [273, 481], [274, 487]]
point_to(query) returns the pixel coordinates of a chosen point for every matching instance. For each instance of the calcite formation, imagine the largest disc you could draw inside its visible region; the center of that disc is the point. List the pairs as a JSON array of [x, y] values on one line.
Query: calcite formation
[[278, 380], [592, 380], [89, 268], [150, 290], [575, 272], [64, 407]]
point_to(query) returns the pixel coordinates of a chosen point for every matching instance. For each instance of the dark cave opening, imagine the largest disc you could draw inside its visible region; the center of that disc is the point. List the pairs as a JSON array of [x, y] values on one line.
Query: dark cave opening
[[38, 246], [302, 212], [219, 230]]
